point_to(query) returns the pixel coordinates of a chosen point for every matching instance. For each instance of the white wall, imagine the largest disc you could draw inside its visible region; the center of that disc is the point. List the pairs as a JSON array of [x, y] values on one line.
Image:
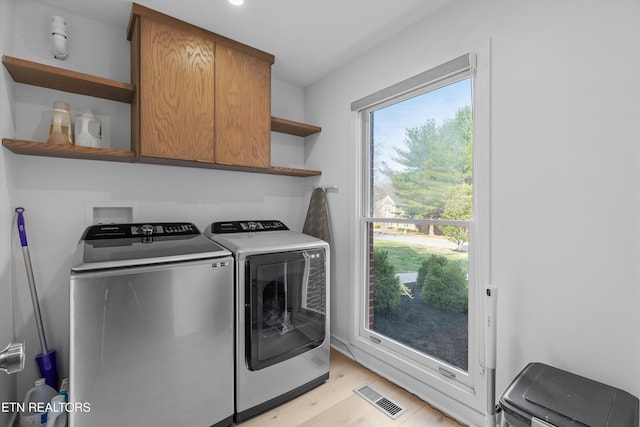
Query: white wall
[[564, 159], [57, 193], [7, 383]]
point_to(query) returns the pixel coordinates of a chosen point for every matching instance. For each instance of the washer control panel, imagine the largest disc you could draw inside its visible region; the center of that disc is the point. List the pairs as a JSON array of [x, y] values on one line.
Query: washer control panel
[[225, 227], [123, 231]]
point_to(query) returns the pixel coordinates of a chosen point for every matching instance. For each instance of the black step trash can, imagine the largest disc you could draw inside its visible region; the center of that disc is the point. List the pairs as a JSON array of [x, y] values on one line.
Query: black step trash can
[[563, 399]]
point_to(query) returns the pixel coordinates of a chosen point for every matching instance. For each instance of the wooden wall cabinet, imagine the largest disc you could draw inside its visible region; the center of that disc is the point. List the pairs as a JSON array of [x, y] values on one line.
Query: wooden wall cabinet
[[243, 109], [173, 109], [201, 98]]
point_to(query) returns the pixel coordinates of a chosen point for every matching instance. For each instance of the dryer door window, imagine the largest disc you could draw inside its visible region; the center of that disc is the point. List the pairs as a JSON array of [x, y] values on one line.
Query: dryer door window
[[286, 299]]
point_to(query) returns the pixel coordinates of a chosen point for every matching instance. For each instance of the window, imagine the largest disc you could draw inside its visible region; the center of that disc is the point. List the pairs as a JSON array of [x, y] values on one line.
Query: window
[[419, 287]]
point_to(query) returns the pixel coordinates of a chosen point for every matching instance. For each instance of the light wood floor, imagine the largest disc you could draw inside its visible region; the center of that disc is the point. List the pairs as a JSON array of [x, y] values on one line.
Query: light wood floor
[[334, 404]]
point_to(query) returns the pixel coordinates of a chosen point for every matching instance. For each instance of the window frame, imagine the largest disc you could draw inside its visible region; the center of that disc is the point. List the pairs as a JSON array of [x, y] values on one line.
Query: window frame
[[368, 219], [429, 382]]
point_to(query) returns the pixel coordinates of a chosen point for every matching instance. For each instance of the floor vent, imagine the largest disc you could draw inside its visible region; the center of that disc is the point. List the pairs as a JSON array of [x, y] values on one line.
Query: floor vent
[[392, 409]]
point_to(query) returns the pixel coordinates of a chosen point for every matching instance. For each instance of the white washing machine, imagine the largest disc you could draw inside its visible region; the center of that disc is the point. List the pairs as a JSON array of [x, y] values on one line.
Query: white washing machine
[[282, 312]]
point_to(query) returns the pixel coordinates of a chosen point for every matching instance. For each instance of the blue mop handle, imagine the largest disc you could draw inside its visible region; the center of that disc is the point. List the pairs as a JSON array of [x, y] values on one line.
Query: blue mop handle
[[21, 230]]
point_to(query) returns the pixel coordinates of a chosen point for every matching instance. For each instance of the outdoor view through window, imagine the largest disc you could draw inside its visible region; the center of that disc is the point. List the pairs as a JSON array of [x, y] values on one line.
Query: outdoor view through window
[[420, 210]]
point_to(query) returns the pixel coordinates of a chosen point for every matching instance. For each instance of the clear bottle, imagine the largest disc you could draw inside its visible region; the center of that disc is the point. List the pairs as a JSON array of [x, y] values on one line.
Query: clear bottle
[[88, 131], [35, 402], [60, 132]]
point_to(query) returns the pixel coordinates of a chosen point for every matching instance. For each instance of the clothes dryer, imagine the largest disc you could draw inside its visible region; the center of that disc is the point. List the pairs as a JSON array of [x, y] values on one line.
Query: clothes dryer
[[282, 312]]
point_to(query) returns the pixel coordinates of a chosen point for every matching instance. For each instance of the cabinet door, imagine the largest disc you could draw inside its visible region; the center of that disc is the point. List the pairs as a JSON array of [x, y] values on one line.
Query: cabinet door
[[243, 109], [176, 93]]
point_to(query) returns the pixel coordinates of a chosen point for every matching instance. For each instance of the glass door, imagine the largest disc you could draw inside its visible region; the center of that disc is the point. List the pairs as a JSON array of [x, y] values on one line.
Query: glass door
[[286, 298]]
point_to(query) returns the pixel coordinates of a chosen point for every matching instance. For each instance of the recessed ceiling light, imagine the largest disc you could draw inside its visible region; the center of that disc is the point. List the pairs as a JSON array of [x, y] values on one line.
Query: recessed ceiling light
[[236, 2]]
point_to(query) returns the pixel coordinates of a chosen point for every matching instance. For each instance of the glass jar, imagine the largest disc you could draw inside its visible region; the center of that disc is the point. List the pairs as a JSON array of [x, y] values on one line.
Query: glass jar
[[60, 132]]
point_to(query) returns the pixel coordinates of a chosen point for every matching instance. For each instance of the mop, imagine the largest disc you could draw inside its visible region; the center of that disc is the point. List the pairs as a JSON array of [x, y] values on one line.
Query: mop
[[47, 359]]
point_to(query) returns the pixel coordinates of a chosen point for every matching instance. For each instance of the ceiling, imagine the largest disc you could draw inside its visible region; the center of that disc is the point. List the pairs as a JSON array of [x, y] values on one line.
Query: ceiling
[[309, 38]]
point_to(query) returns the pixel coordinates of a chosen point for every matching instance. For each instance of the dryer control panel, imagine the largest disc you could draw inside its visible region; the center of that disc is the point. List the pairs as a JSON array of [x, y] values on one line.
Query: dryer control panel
[[225, 227], [123, 231]]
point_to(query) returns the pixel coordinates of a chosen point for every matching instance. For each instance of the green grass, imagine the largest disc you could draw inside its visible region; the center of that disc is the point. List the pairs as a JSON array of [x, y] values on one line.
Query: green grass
[[408, 257]]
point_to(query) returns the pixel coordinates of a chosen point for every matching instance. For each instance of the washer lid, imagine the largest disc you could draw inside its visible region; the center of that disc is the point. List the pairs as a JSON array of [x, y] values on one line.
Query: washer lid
[[263, 241], [256, 226], [126, 245]]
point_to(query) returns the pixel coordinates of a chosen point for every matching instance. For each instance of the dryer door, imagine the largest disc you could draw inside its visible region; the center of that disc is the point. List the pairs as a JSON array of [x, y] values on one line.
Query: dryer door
[[286, 305]]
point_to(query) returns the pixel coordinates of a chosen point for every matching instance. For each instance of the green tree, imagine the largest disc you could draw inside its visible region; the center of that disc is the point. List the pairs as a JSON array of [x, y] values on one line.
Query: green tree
[[437, 165], [444, 284], [386, 286], [458, 132], [458, 207]]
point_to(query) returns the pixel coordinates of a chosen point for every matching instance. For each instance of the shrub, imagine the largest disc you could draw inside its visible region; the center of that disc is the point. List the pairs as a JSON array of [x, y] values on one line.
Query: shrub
[[444, 284], [386, 285]]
